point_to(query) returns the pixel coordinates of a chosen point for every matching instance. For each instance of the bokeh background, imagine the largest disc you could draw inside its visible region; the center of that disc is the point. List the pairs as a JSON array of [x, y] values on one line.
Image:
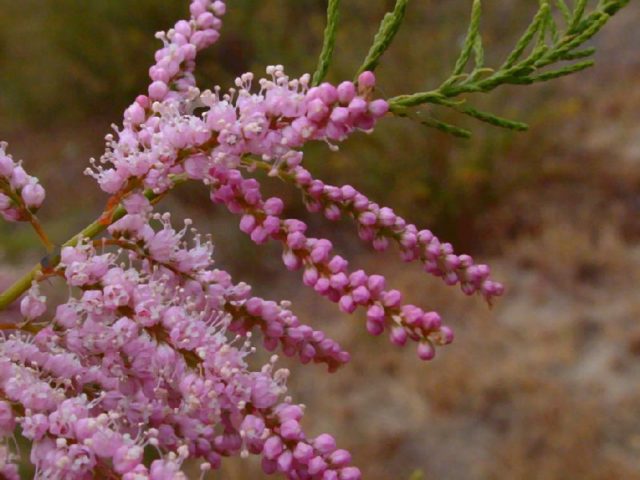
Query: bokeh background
[[546, 385]]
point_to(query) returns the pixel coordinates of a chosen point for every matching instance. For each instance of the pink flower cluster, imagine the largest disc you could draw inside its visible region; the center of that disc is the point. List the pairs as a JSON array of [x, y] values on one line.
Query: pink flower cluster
[[148, 355], [141, 357], [324, 271], [20, 193], [381, 225], [272, 124]]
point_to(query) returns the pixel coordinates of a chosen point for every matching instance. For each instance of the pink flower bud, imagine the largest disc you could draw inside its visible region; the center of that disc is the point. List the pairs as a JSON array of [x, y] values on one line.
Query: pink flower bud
[[346, 92], [366, 80]]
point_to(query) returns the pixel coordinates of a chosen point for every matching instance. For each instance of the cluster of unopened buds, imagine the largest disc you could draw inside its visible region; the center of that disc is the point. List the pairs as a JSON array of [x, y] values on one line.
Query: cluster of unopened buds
[[147, 357], [20, 193]]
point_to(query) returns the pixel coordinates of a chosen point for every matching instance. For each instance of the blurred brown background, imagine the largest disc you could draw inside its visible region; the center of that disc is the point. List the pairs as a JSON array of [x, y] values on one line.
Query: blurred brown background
[[543, 386]]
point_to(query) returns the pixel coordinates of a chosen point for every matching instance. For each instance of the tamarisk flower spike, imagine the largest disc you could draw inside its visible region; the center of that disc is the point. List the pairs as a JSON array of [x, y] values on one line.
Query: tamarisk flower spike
[[151, 347]]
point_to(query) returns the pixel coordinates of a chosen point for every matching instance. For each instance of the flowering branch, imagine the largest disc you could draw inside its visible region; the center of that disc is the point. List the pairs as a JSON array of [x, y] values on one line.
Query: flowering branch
[[548, 45], [150, 347], [92, 230]]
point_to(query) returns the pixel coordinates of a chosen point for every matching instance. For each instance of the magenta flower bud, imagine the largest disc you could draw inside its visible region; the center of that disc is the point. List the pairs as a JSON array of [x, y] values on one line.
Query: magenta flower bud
[[310, 276], [366, 80], [346, 92], [198, 7], [340, 115], [478, 273], [367, 218], [284, 461], [446, 335], [322, 286], [339, 281], [392, 298], [159, 74], [376, 284], [259, 235], [312, 94], [387, 217], [357, 106], [330, 475], [492, 289], [348, 192], [290, 430], [374, 328], [271, 224], [332, 212], [398, 335], [33, 195], [196, 167], [350, 473], [431, 321], [291, 260], [135, 114], [340, 458], [85, 428], [317, 465], [376, 313], [425, 237], [316, 189], [19, 178], [413, 315], [358, 278], [290, 412], [347, 304], [183, 28], [325, 443], [205, 20], [296, 240], [328, 93], [317, 110], [303, 452], [219, 8], [378, 108], [127, 458], [139, 472], [158, 90], [361, 295], [426, 350], [320, 253], [6, 164], [465, 261], [33, 306], [272, 448], [360, 202], [273, 206], [338, 264], [304, 127], [409, 240]]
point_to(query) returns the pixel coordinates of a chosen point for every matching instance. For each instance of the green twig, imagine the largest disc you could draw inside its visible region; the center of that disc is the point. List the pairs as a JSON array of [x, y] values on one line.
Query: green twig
[[546, 45], [329, 42], [386, 32]]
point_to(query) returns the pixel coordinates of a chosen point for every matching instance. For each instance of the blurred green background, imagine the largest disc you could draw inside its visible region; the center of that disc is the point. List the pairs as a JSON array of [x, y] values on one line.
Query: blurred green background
[[545, 385]]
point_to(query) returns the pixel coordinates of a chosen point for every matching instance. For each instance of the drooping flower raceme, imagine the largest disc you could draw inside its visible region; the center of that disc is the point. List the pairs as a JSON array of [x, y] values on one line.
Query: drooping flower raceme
[[150, 354]]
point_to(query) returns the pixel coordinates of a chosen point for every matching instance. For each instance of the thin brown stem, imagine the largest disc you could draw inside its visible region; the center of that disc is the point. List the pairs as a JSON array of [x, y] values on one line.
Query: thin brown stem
[[44, 238]]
